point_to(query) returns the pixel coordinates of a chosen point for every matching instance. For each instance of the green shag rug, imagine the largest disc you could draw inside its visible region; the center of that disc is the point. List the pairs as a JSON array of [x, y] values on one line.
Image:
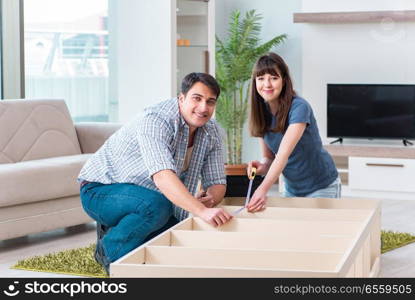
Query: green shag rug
[[392, 240], [81, 261]]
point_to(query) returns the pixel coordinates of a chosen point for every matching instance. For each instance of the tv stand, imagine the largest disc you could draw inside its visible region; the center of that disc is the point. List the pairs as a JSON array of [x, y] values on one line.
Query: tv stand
[[406, 142], [380, 172], [340, 140]]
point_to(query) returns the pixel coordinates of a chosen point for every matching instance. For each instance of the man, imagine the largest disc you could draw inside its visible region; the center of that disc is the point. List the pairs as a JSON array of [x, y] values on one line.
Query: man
[[142, 180]]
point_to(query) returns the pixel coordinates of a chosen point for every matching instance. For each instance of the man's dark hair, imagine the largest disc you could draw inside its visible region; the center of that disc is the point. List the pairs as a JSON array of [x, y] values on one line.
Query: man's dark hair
[[190, 79]]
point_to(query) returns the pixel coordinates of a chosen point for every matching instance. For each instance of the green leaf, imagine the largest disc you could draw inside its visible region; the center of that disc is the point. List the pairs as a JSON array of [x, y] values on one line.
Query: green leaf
[[235, 57]]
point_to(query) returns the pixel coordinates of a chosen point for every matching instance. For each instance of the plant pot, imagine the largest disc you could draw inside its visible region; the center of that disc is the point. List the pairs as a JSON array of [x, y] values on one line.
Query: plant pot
[[237, 181]]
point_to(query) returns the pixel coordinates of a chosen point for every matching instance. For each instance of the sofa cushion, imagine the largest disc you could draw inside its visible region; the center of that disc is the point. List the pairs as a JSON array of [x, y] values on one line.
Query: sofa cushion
[[35, 129], [41, 179]]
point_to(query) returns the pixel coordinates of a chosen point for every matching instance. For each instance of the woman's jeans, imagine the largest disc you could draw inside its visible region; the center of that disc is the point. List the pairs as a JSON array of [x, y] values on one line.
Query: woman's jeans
[[132, 214], [333, 190]]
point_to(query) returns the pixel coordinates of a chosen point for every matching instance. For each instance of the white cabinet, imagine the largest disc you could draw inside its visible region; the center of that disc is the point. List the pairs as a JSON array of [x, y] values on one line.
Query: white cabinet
[[382, 174], [375, 171], [195, 37]]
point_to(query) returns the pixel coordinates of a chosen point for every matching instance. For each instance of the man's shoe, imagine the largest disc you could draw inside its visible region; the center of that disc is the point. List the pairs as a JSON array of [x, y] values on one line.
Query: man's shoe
[[101, 231], [100, 257]]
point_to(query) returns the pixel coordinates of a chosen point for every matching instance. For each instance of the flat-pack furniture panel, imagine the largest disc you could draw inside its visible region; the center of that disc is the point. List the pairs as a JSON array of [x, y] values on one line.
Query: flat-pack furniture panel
[[318, 238], [257, 240], [352, 204], [242, 258], [300, 202], [303, 214], [282, 226]]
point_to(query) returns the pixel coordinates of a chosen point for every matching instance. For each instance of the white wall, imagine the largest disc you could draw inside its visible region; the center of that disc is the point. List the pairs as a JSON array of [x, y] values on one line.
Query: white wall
[[11, 76], [354, 53], [143, 49], [277, 19]]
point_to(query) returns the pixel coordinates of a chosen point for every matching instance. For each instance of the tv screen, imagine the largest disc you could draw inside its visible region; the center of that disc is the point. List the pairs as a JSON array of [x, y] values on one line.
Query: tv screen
[[371, 111]]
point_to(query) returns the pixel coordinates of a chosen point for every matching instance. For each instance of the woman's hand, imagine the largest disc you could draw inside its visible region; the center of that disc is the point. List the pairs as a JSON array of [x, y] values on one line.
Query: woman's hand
[[261, 168], [258, 201]]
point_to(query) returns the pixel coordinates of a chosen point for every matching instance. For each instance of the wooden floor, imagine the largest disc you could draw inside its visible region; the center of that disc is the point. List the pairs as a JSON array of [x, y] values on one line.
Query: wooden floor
[[38, 244], [396, 215]]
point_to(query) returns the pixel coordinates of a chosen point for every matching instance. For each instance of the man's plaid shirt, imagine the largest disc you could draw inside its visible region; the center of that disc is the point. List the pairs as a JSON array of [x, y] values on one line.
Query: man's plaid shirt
[[154, 142]]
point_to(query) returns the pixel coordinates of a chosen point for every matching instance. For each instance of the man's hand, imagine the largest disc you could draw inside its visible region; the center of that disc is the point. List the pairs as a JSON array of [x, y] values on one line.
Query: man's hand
[[171, 186], [215, 216], [205, 198]]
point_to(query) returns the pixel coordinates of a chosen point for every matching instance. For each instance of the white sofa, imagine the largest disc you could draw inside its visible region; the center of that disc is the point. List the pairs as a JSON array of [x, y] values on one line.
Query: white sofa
[[41, 154]]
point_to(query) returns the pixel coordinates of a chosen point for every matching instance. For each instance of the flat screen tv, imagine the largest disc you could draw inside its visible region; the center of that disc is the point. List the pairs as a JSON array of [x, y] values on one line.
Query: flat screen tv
[[374, 111]]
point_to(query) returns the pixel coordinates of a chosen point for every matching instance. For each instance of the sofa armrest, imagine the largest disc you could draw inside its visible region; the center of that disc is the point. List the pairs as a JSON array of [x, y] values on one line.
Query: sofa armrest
[[92, 135]]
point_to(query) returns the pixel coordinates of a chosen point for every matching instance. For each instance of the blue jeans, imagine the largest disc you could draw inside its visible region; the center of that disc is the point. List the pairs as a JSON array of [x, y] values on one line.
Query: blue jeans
[[133, 215], [333, 190]]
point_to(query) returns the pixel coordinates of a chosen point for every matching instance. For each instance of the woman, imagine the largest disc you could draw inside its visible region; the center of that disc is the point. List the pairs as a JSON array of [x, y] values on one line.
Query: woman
[[289, 137]]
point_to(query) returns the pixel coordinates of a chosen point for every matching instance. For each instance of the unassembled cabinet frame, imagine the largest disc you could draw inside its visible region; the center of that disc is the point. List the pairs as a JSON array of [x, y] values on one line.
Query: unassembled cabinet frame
[[292, 237]]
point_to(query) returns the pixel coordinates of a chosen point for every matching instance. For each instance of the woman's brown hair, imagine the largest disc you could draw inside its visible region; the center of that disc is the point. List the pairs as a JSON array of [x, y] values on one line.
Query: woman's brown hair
[[260, 116]]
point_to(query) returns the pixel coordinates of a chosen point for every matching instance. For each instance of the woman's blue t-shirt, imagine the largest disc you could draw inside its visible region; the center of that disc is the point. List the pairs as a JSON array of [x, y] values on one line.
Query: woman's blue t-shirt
[[309, 167]]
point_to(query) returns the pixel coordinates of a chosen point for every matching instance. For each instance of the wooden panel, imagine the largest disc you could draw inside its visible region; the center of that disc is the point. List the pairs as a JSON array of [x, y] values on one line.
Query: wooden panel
[[355, 17], [145, 271], [165, 239], [344, 177], [355, 251], [301, 202], [294, 237], [236, 169], [291, 227], [366, 258], [137, 256], [257, 240], [351, 272], [358, 263], [304, 214], [183, 225], [258, 259], [161, 240], [341, 162], [372, 151], [375, 238], [374, 272]]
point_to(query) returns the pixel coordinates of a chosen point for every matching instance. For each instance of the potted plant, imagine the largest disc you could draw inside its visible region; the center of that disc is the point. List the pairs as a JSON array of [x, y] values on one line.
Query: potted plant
[[235, 57]]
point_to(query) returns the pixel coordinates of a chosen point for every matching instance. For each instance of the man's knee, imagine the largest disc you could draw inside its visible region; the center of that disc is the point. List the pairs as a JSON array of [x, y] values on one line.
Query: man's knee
[[160, 209]]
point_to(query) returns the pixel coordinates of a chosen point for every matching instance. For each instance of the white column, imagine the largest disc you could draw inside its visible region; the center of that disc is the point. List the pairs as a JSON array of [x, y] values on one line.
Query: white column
[[142, 54], [211, 36], [12, 56]]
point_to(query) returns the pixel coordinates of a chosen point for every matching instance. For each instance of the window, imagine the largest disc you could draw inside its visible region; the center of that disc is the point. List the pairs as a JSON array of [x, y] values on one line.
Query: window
[[66, 55]]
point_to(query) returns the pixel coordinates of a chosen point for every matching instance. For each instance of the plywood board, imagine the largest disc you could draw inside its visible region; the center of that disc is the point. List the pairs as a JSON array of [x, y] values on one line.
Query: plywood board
[[293, 237], [243, 258], [257, 240], [292, 227], [304, 214]]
